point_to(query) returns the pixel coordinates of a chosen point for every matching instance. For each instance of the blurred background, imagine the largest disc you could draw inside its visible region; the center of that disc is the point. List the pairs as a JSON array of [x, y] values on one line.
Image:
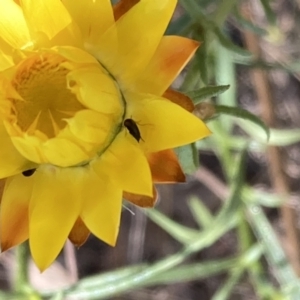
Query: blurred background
[[231, 231]]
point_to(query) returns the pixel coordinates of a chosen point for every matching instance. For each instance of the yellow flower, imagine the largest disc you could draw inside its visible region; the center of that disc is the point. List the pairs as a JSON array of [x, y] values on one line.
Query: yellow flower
[[86, 116]]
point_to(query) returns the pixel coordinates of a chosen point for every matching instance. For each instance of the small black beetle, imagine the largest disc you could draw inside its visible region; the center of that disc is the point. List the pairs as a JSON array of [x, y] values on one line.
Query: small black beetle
[[133, 129], [28, 173]]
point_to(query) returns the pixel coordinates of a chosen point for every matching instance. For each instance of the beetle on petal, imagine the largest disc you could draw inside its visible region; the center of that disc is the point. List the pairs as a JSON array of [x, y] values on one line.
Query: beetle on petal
[[133, 129]]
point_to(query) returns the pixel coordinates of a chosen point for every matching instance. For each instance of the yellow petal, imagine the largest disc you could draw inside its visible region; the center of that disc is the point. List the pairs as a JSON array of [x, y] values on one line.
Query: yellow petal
[[29, 147], [79, 233], [122, 7], [57, 151], [141, 200], [139, 32], [63, 152], [11, 161], [6, 60], [102, 208], [2, 184], [180, 99], [96, 90], [13, 26], [163, 124], [165, 167], [69, 36], [76, 55], [45, 16], [91, 126], [126, 165], [92, 17], [172, 54], [14, 211], [54, 208]]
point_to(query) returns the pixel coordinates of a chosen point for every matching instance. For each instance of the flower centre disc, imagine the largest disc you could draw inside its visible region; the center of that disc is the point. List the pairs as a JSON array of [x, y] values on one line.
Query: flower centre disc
[[46, 102]]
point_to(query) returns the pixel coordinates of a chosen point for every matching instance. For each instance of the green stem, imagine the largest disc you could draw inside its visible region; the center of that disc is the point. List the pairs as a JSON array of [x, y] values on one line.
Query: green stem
[[22, 278]]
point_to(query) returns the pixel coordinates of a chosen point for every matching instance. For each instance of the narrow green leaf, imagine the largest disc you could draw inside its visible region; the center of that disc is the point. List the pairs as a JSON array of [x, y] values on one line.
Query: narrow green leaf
[[284, 137], [180, 233], [207, 92], [224, 292], [243, 114], [251, 255], [221, 145], [202, 240], [186, 235], [278, 137], [200, 212], [276, 256], [235, 143], [109, 277], [196, 271], [233, 203], [188, 157], [210, 26], [260, 197], [181, 274]]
